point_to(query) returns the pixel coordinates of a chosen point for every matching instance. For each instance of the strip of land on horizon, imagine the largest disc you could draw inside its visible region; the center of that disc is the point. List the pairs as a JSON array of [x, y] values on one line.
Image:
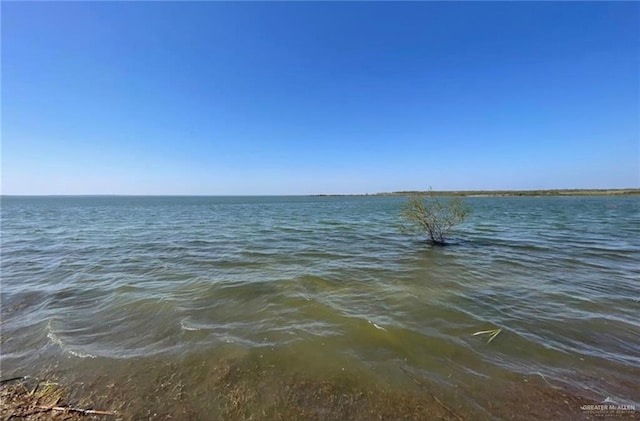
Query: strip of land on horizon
[[493, 193]]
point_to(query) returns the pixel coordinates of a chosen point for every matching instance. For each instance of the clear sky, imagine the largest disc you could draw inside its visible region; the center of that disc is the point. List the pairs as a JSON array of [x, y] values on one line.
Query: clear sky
[[305, 98]]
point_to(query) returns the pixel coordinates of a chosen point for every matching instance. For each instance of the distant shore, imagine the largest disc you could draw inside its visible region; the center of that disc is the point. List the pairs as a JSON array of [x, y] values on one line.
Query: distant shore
[[502, 193]]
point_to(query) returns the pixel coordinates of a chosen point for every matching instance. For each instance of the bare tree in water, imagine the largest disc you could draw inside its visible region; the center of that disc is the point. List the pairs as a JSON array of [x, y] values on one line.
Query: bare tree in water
[[434, 217]]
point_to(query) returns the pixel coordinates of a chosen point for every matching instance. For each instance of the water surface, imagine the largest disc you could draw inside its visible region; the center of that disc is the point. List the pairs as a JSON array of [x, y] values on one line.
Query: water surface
[[113, 290]]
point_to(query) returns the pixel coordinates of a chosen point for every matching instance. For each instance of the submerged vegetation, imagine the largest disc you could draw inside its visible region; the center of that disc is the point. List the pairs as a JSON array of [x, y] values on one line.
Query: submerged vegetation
[[435, 217], [245, 389]]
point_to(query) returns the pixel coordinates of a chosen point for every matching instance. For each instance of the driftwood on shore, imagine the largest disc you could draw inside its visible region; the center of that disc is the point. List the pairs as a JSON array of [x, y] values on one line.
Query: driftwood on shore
[[22, 400], [71, 409]]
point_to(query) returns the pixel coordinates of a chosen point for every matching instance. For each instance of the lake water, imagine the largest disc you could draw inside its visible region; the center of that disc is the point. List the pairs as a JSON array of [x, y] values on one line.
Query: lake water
[[245, 307]]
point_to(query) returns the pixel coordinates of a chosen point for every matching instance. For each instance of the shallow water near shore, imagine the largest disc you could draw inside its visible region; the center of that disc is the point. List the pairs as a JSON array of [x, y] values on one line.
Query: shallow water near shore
[[259, 298]]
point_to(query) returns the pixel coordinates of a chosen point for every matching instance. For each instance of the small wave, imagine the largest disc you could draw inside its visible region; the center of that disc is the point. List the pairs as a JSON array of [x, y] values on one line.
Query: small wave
[[58, 341], [80, 354], [185, 326]]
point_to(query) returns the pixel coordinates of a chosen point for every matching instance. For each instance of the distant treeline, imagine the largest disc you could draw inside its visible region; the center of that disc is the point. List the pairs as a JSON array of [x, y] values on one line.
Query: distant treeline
[[476, 193]]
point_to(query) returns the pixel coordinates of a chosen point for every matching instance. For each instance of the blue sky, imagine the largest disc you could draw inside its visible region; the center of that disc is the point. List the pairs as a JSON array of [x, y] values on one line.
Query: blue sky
[[305, 98]]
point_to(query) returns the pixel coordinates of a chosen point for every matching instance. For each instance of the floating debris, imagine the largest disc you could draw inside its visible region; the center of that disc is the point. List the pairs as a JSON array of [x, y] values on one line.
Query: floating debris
[[492, 332]]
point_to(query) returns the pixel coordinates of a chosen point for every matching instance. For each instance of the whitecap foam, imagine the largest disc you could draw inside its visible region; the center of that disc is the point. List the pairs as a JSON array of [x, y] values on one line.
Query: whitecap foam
[[53, 336]]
